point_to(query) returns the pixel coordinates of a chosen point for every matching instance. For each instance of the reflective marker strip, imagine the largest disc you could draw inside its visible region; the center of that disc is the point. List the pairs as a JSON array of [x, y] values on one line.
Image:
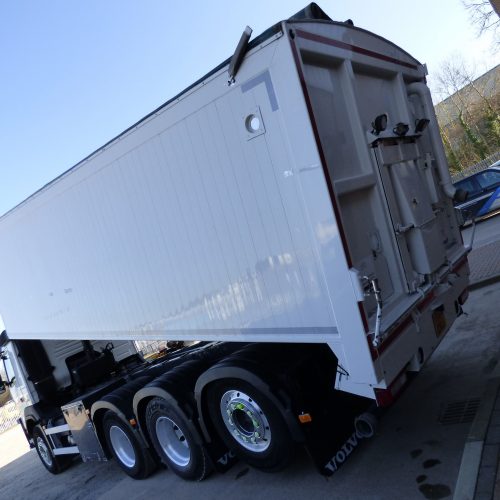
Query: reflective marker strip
[[353, 48]]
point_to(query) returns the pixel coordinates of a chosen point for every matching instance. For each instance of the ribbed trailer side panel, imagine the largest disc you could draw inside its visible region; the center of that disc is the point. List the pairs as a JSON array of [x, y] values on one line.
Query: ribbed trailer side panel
[[194, 225]]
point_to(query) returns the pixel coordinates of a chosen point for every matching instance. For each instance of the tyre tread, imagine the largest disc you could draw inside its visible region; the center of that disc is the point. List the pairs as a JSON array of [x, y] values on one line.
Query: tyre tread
[[277, 456], [146, 465], [60, 463], [201, 468]]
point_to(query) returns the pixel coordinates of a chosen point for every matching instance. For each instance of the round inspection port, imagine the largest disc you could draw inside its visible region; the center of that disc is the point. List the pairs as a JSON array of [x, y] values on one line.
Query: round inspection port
[[252, 123]]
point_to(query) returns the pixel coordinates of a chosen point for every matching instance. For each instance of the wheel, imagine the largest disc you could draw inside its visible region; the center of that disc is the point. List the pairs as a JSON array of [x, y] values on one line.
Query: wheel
[[174, 441], [250, 424], [54, 464], [126, 448]]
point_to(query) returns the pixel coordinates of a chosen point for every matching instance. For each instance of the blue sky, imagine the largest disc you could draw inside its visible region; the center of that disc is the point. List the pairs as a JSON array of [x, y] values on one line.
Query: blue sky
[[75, 74]]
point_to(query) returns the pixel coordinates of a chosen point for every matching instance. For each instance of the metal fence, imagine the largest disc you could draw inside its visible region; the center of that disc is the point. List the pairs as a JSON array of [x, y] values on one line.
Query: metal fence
[[9, 413], [150, 346], [478, 167]]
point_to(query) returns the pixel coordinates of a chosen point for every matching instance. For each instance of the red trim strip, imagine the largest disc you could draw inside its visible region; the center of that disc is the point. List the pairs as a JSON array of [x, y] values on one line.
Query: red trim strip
[[386, 397], [373, 351], [353, 48], [427, 300], [459, 264], [404, 324], [400, 328], [329, 183], [363, 316]]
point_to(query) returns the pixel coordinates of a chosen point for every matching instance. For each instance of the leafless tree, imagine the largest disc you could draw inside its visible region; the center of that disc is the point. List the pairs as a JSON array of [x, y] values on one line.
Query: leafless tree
[[484, 16], [469, 114]]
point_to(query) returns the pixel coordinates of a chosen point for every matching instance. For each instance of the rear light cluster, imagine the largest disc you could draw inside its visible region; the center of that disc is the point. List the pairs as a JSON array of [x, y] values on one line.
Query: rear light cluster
[[385, 397]]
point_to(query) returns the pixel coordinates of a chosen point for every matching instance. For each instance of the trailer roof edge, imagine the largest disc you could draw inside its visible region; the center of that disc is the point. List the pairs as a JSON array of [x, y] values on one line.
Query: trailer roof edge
[[311, 12]]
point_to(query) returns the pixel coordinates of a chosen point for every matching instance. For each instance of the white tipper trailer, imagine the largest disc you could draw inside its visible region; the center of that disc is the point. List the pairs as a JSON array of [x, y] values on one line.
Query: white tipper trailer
[[292, 211]]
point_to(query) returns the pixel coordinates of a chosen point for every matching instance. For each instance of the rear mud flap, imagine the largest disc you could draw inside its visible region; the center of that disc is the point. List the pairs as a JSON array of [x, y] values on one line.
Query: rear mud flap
[[331, 437], [222, 458]]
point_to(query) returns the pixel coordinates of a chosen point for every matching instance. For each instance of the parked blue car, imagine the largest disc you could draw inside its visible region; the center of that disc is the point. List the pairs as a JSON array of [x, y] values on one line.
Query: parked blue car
[[483, 191]]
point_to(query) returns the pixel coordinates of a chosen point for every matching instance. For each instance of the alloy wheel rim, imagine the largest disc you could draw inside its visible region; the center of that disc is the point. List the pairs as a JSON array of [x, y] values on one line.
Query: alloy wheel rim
[[245, 420], [44, 451], [122, 446], [173, 442]]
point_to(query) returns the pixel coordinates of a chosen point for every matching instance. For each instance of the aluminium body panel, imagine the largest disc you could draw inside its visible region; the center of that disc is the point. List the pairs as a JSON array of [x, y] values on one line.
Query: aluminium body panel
[[188, 227], [225, 216]]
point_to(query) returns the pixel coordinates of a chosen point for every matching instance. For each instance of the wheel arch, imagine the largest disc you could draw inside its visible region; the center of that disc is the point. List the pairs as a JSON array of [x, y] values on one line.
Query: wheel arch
[[145, 395], [232, 371], [120, 402], [97, 413], [144, 462], [31, 423], [38, 414]]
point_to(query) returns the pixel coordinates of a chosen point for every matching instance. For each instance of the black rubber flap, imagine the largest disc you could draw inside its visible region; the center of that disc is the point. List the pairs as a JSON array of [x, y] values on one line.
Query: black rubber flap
[[312, 11]]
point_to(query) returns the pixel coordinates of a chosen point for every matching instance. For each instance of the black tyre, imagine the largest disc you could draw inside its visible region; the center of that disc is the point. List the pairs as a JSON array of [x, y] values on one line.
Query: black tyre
[[130, 454], [54, 464], [175, 442], [250, 424]]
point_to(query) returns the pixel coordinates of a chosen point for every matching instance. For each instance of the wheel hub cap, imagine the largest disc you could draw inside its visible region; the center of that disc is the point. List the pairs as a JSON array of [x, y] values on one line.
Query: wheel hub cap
[[246, 421]]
